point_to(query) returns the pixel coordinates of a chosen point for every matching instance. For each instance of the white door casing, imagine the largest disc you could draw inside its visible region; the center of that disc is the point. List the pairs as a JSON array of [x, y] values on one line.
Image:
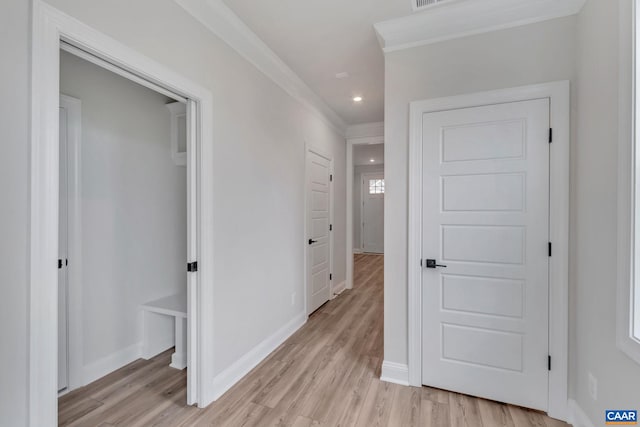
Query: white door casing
[[50, 28], [318, 233], [63, 348], [372, 213], [485, 207]]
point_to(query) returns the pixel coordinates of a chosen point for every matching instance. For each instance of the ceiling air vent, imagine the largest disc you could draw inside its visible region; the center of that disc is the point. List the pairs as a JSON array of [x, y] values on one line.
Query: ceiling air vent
[[423, 4]]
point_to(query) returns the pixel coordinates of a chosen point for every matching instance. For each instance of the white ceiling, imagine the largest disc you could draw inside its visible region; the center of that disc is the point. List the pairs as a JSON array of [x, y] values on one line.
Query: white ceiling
[[319, 39], [363, 154]]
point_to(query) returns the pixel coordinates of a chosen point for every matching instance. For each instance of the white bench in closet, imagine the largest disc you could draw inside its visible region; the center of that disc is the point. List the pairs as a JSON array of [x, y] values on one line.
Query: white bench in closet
[[176, 307]]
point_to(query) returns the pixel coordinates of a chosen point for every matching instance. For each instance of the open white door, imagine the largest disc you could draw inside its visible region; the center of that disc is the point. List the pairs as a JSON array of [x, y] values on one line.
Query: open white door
[[373, 212], [63, 346], [485, 278], [192, 254], [318, 230]]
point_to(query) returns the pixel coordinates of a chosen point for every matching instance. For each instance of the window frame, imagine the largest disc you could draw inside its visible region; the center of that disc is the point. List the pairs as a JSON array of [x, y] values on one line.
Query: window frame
[[376, 187], [628, 292]]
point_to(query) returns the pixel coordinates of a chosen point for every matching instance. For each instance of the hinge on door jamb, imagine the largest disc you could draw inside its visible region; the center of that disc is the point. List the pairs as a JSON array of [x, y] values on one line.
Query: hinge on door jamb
[[549, 248], [549, 362], [192, 266], [550, 135], [331, 177], [330, 227], [330, 276]]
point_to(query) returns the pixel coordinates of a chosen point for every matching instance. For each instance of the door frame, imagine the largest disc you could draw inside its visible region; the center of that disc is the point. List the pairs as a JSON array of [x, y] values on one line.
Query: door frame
[[50, 28], [74, 242], [362, 195], [355, 140], [311, 149], [559, 95]]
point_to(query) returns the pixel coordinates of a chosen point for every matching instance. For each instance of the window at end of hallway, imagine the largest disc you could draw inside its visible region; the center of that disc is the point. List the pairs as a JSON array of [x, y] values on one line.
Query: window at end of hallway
[[376, 186]]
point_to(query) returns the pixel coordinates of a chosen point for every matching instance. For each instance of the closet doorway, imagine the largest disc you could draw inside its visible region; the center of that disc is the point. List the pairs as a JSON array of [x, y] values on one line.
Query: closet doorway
[[125, 219]]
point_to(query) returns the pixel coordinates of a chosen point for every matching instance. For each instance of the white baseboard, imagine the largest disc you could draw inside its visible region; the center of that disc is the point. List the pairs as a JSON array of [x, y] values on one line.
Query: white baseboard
[[357, 250], [234, 373], [114, 361], [396, 373], [339, 288], [577, 417]]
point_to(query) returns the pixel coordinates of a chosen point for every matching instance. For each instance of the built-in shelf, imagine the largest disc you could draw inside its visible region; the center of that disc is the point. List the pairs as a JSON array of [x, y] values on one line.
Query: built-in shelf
[[178, 112]]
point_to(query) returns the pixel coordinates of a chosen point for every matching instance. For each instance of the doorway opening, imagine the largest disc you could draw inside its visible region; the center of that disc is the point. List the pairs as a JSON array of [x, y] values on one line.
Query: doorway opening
[[122, 234], [368, 199], [122, 225]]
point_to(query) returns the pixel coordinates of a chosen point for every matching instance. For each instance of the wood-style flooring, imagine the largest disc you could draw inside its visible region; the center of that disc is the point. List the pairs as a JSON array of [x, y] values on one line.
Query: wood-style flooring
[[326, 374]]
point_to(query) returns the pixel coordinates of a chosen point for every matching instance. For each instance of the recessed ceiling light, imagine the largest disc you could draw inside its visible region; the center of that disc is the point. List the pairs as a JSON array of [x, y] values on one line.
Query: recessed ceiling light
[[357, 99], [372, 160]]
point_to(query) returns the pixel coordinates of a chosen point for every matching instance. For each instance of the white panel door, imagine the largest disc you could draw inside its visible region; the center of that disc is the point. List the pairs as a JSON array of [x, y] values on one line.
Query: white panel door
[[63, 347], [373, 212], [318, 231], [192, 254], [485, 214]]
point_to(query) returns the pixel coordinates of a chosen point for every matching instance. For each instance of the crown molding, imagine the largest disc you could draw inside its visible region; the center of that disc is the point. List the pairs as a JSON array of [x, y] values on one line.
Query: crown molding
[[469, 17], [365, 130], [224, 23]]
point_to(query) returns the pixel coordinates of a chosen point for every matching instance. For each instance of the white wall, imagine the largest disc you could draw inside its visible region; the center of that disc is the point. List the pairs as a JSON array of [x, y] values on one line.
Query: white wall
[[134, 215], [357, 199], [594, 219], [259, 159], [524, 55], [14, 210]]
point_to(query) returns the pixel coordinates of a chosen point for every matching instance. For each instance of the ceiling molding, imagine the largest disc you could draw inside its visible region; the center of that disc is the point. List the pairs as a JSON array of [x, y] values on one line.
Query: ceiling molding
[[465, 18], [224, 23], [365, 130]]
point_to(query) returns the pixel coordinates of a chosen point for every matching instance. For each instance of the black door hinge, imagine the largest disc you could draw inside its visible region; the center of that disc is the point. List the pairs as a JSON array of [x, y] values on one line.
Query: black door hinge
[[549, 362], [192, 266], [330, 227], [331, 177], [59, 264], [550, 135], [330, 276], [549, 248]]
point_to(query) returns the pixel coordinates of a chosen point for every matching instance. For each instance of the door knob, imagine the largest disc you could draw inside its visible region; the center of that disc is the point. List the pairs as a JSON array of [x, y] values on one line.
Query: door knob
[[431, 263], [311, 241]]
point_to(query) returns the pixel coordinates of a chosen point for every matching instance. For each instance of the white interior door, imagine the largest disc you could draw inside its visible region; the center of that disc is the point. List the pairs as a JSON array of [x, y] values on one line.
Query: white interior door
[[318, 231], [63, 346], [192, 254], [373, 212], [485, 214]]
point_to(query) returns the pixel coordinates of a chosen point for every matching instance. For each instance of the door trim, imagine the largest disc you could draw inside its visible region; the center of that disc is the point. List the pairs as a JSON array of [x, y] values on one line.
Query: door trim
[[50, 28], [558, 93], [74, 242], [364, 140], [311, 149], [362, 195]]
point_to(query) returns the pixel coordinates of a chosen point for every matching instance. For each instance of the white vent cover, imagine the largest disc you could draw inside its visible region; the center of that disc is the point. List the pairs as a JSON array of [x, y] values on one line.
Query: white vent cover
[[422, 4]]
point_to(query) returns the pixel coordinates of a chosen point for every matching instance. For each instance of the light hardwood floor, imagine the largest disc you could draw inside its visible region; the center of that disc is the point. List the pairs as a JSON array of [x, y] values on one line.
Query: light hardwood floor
[[326, 374]]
